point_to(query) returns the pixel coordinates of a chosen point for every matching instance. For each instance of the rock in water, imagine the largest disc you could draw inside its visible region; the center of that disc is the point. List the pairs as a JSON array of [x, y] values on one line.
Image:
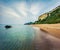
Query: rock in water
[[8, 26]]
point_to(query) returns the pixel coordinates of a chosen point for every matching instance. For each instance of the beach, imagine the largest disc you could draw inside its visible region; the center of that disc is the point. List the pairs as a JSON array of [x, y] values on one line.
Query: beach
[[44, 40], [52, 29]]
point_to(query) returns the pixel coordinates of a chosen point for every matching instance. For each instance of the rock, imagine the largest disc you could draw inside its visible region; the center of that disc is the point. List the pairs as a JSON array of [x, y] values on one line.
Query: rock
[[8, 26]]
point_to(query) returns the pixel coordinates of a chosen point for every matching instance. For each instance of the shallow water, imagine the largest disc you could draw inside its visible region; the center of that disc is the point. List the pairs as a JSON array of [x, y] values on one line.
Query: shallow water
[[19, 37]]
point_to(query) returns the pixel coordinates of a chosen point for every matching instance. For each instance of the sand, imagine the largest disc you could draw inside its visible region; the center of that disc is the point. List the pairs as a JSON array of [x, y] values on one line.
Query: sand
[[52, 29], [44, 41]]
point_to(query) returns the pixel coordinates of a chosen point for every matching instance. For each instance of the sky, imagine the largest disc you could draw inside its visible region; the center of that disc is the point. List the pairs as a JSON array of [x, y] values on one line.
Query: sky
[[24, 11]]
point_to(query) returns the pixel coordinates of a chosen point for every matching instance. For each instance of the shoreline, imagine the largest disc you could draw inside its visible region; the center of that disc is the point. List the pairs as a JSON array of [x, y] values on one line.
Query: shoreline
[[45, 41], [53, 29]]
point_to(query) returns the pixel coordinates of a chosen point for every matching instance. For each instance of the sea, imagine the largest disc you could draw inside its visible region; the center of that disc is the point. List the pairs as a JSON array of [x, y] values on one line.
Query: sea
[[18, 37]]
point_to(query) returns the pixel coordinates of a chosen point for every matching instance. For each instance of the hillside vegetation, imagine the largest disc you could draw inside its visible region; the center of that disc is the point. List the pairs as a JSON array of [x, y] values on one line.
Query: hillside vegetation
[[50, 17]]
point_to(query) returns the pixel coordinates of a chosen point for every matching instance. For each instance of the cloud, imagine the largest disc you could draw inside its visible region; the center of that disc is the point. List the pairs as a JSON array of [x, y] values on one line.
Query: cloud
[[36, 7], [8, 10], [9, 16], [21, 8], [22, 12]]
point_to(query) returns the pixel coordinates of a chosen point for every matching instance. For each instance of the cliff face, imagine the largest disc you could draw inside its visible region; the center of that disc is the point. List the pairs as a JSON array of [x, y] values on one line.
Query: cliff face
[[43, 16], [52, 16]]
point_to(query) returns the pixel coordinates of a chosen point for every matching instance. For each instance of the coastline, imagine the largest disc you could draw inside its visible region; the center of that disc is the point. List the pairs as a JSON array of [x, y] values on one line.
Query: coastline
[[52, 29], [44, 41]]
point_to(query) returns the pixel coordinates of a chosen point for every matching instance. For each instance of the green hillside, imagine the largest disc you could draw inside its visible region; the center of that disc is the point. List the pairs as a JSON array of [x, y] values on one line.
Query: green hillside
[[52, 17]]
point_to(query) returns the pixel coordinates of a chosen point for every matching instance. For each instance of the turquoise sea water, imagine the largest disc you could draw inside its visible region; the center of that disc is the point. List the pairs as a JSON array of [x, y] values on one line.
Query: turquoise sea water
[[19, 37]]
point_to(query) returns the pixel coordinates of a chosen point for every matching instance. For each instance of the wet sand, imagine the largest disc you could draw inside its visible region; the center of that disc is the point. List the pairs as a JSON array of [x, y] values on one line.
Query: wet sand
[[44, 41]]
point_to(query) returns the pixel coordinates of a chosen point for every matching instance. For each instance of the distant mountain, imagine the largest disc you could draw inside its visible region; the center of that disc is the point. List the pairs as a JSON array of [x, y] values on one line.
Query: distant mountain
[[28, 23], [50, 17]]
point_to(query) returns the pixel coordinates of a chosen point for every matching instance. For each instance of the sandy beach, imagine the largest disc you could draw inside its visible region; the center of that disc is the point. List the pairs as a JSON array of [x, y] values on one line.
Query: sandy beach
[[46, 39], [52, 29]]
